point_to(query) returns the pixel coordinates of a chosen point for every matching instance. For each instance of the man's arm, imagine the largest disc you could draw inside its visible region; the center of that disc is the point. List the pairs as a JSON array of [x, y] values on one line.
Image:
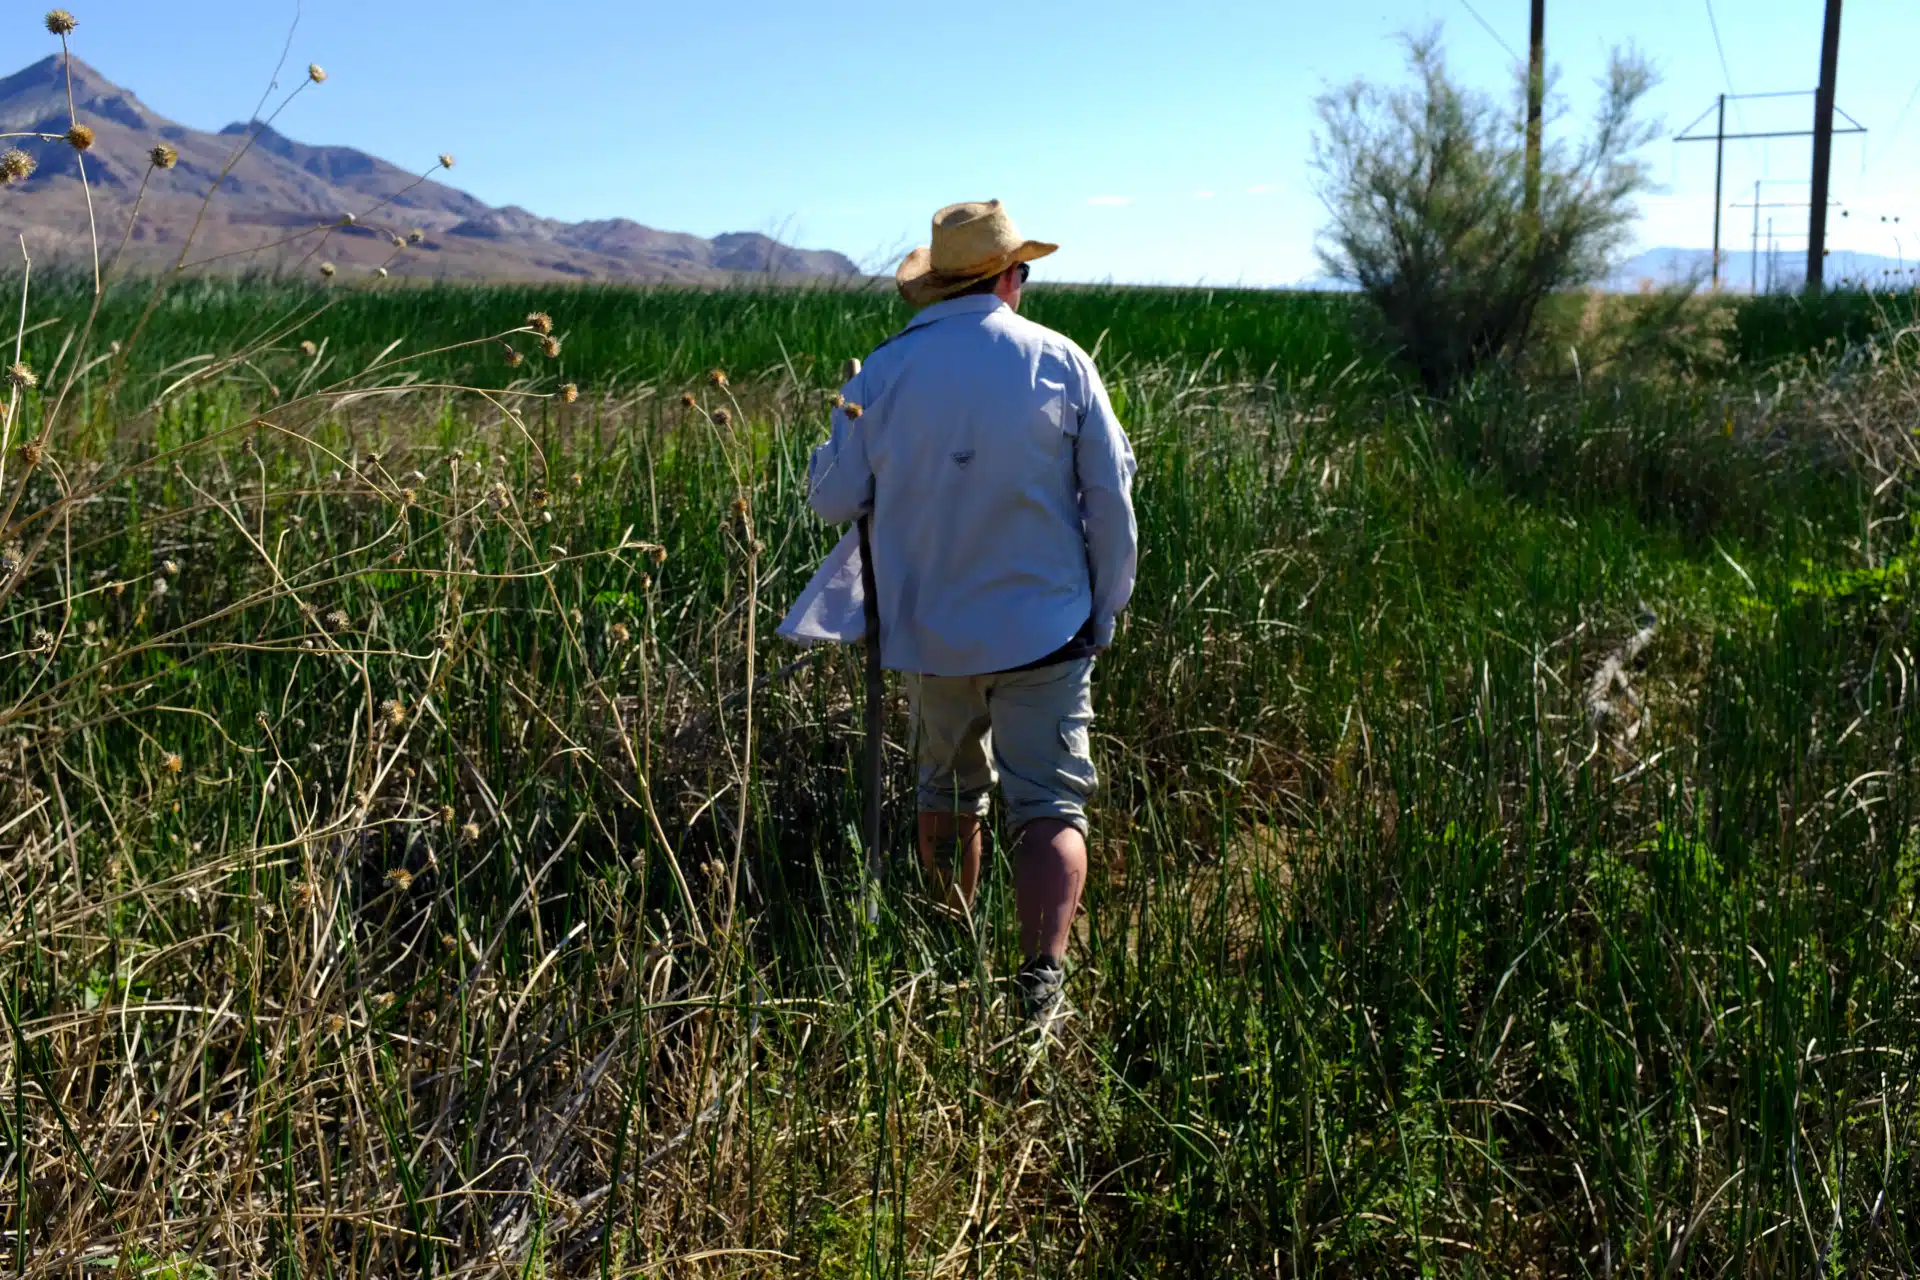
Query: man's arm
[[839, 476], [1103, 462]]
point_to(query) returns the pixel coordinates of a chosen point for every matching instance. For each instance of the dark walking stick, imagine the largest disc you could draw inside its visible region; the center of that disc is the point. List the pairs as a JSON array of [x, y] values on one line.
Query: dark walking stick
[[876, 710]]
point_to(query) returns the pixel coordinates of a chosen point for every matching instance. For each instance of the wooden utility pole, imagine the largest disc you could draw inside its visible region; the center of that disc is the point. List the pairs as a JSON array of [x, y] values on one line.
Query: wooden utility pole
[[1719, 167], [1536, 96], [1823, 148]]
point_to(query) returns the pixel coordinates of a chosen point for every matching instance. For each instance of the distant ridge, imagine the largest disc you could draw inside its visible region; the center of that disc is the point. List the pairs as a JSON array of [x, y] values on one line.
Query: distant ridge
[[1739, 271], [282, 187]]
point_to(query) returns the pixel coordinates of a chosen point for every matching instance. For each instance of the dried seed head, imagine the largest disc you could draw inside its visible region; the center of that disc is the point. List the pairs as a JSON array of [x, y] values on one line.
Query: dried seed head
[[171, 762], [16, 166], [852, 411], [407, 498], [687, 400], [540, 322], [470, 831], [394, 712], [400, 878], [60, 22], [569, 393], [399, 241], [550, 347], [327, 269], [32, 454], [575, 480], [446, 161], [308, 349], [163, 157], [337, 619], [335, 1024], [21, 376], [347, 219], [618, 633], [446, 813], [170, 568], [305, 894], [381, 1001], [718, 377], [722, 417], [381, 272], [512, 357], [739, 507], [415, 236], [839, 401], [43, 640], [658, 555], [316, 73], [80, 137]]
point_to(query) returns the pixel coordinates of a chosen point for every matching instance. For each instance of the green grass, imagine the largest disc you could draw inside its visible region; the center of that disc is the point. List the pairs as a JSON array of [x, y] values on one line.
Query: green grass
[[1780, 326], [616, 335], [1412, 946]]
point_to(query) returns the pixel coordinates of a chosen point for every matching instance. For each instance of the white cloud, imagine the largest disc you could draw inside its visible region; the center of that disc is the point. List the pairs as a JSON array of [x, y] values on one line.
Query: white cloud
[[1260, 190], [1203, 195], [1110, 201]]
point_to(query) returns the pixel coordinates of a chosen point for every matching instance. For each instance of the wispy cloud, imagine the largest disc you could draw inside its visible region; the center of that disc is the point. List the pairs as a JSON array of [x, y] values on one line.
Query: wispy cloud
[[1260, 190], [1203, 195], [1110, 201]]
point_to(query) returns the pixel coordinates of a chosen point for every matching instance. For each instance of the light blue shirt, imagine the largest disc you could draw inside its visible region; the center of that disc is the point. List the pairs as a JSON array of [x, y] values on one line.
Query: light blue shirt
[[1000, 485]]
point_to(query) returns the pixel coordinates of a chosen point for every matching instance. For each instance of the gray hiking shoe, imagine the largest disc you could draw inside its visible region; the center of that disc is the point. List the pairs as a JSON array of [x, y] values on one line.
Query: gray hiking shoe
[[1041, 988]]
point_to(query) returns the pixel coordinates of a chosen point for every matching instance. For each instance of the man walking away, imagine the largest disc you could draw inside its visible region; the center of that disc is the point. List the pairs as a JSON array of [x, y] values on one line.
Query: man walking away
[[999, 485]]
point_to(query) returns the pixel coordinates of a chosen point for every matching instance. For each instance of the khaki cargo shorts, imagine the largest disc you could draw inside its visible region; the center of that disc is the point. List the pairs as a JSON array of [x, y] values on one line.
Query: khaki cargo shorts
[[1026, 730]]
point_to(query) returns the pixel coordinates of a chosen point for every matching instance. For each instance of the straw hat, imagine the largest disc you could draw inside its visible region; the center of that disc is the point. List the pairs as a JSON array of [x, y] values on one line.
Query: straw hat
[[972, 241]]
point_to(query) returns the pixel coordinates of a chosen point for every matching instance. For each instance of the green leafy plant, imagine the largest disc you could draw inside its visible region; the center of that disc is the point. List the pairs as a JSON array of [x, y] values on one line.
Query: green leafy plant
[[1425, 187]]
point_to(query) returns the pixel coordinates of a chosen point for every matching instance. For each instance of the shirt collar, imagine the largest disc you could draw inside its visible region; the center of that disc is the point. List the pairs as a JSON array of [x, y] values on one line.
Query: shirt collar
[[967, 304]]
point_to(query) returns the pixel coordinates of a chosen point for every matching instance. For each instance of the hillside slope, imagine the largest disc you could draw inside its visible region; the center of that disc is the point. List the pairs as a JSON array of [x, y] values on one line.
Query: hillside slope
[[268, 211]]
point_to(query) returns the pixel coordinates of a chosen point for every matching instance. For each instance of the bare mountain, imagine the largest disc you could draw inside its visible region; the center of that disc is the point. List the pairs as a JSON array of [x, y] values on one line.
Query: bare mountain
[[268, 211]]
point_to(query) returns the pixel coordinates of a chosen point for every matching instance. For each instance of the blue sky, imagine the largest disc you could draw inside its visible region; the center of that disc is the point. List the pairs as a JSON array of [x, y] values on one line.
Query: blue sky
[[1156, 142]]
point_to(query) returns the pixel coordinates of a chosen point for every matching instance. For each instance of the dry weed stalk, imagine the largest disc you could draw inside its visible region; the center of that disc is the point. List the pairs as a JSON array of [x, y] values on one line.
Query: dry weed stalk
[[102, 1181]]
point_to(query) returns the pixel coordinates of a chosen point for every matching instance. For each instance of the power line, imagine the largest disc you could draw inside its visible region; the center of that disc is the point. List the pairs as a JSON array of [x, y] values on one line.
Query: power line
[[1897, 122], [1725, 70], [1488, 26], [1726, 73]]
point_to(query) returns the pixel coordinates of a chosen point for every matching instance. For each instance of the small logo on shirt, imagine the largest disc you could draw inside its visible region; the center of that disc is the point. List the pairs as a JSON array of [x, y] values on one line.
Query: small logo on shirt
[[962, 458]]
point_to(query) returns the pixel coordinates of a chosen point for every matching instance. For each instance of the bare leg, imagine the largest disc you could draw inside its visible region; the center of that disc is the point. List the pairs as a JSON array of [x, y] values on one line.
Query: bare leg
[[955, 837], [1047, 879]]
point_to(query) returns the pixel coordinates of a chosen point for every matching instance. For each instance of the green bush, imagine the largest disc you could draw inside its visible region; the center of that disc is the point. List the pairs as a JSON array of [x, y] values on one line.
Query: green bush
[[1427, 186]]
